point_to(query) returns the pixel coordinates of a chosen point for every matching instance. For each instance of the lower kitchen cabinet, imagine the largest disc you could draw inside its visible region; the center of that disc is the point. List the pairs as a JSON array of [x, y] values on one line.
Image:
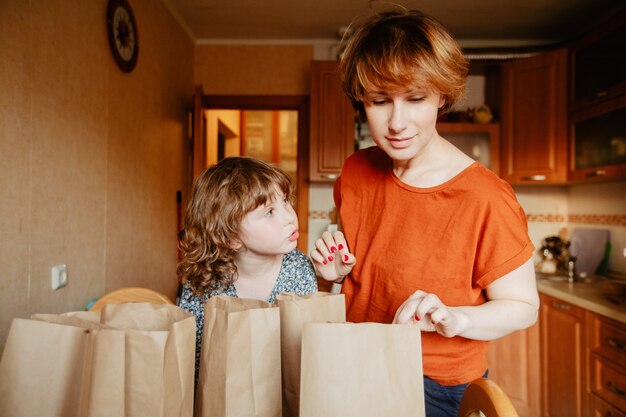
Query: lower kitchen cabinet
[[606, 342], [514, 366], [599, 408], [562, 358], [572, 363]]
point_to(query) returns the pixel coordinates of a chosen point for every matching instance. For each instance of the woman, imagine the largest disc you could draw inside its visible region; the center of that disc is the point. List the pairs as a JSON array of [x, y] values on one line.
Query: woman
[[440, 241]]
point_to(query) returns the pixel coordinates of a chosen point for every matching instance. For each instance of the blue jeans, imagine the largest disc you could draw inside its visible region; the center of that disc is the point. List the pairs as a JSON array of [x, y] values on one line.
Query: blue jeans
[[443, 400]]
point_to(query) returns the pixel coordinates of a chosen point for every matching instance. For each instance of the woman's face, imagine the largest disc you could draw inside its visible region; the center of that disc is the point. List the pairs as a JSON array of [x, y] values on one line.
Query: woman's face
[[402, 123]]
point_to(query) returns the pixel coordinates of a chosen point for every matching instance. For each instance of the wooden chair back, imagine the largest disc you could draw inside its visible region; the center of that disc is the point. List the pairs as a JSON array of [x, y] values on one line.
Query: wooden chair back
[[131, 295], [484, 395]]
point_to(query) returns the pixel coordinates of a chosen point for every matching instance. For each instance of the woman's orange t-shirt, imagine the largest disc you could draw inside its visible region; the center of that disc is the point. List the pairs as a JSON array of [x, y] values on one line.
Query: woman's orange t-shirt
[[451, 240]]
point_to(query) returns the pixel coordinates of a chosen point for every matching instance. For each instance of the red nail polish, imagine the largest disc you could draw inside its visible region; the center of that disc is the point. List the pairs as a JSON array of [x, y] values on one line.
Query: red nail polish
[[340, 246], [417, 318], [330, 258], [324, 262], [333, 249], [345, 258]]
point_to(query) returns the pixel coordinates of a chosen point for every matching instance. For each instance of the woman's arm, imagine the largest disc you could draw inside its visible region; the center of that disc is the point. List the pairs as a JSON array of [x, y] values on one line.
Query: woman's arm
[[512, 305]]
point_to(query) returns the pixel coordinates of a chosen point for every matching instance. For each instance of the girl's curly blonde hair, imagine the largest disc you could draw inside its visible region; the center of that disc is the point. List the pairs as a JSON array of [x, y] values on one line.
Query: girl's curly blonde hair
[[400, 49], [221, 197]]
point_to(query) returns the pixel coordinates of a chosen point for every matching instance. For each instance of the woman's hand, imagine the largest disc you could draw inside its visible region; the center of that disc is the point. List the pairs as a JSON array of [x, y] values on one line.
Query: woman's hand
[[430, 314], [331, 257], [512, 304]]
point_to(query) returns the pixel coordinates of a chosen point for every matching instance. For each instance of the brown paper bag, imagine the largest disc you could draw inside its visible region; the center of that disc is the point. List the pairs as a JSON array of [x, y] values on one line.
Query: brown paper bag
[[134, 360], [239, 360], [295, 312], [361, 370]]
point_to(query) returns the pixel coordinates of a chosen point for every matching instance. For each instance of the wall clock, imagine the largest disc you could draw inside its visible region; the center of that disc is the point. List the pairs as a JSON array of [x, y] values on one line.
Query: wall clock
[[122, 34]]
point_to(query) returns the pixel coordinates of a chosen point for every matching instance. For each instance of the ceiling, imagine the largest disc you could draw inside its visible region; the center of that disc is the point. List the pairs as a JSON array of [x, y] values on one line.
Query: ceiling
[[475, 23]]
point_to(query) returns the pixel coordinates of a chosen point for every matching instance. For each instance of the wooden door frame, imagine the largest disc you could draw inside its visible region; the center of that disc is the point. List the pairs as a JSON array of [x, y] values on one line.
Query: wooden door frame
[[300, 103]]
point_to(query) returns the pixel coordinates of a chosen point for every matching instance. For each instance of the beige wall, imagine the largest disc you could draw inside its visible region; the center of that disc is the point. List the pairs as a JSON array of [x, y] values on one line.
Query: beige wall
[[90, 157], [254, 69]]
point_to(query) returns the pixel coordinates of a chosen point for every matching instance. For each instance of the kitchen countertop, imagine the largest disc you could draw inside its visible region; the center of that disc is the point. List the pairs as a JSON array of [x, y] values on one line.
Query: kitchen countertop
[[583, 294]]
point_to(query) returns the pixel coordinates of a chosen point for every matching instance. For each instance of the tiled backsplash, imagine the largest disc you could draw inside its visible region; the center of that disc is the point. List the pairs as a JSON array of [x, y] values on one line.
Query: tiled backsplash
[[548, 209], [590, 219]]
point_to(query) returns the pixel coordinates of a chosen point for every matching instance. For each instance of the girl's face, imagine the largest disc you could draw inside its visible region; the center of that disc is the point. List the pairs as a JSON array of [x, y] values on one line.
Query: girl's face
[[402, 123], [272, 228]]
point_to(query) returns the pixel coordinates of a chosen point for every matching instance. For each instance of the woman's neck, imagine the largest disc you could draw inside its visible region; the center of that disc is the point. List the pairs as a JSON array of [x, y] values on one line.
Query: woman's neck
[[439, 162]]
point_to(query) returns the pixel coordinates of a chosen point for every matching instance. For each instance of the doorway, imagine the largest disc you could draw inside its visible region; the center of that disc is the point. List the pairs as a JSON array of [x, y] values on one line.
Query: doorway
[[242, 104]]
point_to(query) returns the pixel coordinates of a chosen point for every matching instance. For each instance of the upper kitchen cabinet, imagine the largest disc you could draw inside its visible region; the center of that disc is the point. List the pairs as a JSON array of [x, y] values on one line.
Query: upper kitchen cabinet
[[332, 123], [598, 142], [534, 119], [598, 104], [598, 64]]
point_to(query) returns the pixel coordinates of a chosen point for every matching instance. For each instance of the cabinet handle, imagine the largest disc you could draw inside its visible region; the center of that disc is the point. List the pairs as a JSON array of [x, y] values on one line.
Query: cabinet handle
[[615, 390], [329, 176], [596, 173], [560, 306], [534, 178], [615, 344]]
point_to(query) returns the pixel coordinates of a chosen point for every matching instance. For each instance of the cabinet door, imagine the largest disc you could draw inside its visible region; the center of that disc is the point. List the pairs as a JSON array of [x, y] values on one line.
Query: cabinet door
[[562, 358], [598, 64], [598, 142], [514, 366], [534, 119], [332, 123], [599, 408], [606, 342]]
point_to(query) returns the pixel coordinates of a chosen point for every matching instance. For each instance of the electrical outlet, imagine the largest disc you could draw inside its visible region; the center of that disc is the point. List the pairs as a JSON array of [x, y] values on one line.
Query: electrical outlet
[[59, 276]]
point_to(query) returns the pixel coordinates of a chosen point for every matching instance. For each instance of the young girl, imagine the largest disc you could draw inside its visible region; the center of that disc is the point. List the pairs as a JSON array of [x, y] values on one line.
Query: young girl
[[442, 242], [239, 238]]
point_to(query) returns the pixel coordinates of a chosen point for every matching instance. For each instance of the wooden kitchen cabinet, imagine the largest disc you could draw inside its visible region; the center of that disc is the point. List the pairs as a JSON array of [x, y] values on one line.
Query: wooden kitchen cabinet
[[514, 365], [606, 342], [598, 104], [598, 64], [598, 142], [534, 119], [332, 137], [563, 365]]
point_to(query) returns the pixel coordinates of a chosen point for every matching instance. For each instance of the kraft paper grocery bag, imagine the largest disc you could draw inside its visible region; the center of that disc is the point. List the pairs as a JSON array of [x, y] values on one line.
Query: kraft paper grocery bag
[[295, 312], [159, 357], [361, 370], [239, 359], [132, 360]]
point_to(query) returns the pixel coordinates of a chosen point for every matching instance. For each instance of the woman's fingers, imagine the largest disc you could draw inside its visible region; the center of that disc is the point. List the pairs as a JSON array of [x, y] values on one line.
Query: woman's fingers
[[340, 240], [316, 256], [419, 307], [332, 246], [406, 312]]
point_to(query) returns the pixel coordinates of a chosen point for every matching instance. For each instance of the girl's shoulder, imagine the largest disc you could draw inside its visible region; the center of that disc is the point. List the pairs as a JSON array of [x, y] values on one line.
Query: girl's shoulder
[[296, 275], [297, 258], [189, 300]]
